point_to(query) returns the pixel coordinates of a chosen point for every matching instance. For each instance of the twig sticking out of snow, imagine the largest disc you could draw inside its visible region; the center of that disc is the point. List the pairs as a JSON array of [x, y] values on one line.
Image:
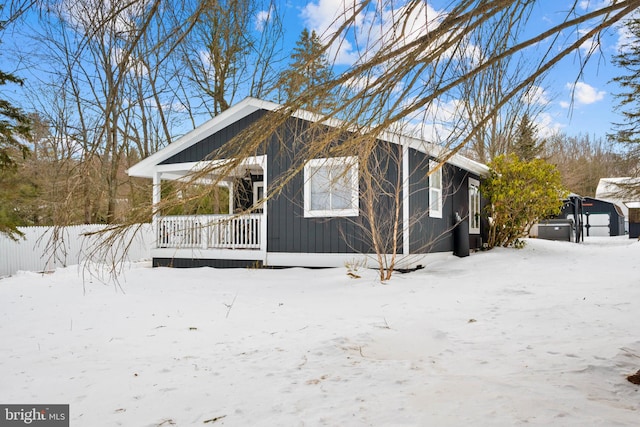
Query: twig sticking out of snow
[[214, 419], [230, 306]]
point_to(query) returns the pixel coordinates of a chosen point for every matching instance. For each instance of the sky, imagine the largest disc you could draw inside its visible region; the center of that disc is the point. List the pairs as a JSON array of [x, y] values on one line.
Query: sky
[[578, 101]]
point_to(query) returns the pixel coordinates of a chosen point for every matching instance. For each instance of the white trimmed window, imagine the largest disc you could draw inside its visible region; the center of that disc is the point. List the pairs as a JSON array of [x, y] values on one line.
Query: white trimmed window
[[331, 187], [435, 191], [258, 192], [474, 206]]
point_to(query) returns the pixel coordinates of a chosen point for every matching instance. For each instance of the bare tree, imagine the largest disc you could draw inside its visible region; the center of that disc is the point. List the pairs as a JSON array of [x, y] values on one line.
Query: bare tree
[[105, 72], [226, 58], [583, 160]]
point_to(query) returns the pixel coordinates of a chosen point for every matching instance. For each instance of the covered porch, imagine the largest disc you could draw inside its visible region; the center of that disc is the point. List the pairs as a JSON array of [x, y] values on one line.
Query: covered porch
[[236, 224]]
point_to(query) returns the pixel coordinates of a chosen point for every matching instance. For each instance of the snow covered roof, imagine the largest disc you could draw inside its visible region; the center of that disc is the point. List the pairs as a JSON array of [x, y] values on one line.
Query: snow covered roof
[[611, 190]]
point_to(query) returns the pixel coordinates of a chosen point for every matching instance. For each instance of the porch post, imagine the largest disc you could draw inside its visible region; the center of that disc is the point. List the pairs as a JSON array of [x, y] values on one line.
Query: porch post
[[405, 201], [263, 228], [155, 198], [231, 197]]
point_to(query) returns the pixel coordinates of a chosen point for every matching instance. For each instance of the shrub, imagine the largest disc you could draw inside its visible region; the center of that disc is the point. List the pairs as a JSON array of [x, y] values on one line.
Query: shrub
[[519, 193]]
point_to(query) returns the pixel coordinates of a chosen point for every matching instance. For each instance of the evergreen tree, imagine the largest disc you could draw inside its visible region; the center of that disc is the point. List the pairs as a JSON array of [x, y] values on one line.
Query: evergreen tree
[[526, 146], [628, 131], [14, 125], [628, 59], [308, 70]]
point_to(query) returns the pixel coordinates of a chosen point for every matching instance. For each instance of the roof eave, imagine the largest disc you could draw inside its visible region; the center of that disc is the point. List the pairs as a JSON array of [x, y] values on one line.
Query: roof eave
[[147, 167]]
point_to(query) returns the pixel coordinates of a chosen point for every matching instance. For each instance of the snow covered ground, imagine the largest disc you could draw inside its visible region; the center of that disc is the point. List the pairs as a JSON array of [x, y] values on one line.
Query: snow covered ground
[[541, 336]]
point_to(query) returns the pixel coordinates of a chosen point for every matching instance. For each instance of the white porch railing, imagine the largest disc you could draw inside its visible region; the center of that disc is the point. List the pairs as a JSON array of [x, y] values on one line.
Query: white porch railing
[[210, 231]]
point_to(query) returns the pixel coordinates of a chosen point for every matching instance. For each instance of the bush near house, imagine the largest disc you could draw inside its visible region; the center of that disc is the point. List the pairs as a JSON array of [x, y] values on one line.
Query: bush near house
[[519, 193]]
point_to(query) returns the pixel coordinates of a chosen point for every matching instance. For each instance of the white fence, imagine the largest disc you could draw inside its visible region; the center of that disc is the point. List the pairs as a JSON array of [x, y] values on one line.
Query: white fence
[[38, 251]]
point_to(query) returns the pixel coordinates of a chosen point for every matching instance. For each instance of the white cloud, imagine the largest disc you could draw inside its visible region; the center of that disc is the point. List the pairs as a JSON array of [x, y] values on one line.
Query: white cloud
[[325, 18], [546, 125], [85, 15], [324, 15], [438, 122], [585, 94], [405, 25], [564, 104], [593, 4], [536, 95], [391, 25], [590, 46], [625, 37], [262, 18]]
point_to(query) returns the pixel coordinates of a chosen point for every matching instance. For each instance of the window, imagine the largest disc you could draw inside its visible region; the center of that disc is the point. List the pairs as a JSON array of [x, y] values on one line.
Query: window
[[474, 206], [258, 195], [258, 192], [331, 187], [435, 191]]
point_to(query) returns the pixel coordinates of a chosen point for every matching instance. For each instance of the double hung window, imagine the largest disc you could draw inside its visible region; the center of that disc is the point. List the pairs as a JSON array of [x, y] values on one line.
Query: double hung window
[[435, 190], [474, 206], [331, 187]]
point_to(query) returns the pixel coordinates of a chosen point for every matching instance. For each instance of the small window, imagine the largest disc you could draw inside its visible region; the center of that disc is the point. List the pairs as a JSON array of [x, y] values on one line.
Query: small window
[[331, 187], [435, 191], [474, 206], [258, 192]]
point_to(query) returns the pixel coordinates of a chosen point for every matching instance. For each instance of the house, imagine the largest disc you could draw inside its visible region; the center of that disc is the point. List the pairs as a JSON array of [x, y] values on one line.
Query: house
[[621, 191], [318, 218]]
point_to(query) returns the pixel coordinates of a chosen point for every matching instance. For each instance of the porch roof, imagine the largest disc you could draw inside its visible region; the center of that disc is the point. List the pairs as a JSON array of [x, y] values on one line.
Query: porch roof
[[147, 167]]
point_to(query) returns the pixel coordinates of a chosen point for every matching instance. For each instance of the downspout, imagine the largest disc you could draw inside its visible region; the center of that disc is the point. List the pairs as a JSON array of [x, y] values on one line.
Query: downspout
[[263, 223], [405, 205]]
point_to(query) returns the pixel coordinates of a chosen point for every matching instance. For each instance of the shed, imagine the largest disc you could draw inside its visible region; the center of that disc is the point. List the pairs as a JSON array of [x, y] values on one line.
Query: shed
[[594, 217], [623, 192], [602, 218]]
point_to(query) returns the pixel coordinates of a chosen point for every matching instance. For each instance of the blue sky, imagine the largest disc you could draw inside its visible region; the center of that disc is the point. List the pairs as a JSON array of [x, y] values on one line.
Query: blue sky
[[577, 103]]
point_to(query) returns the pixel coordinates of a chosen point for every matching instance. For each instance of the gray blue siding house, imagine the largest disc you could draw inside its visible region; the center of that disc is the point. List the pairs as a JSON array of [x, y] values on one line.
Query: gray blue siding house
[[314, 220]]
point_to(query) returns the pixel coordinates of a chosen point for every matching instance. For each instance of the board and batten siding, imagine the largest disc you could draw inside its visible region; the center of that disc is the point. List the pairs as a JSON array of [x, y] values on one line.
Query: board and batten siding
[[288, 230], [429, 234], [202, 149]]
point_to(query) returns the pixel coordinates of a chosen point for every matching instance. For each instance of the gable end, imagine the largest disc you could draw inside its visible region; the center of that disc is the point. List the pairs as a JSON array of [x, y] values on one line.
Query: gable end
[[201, 149]]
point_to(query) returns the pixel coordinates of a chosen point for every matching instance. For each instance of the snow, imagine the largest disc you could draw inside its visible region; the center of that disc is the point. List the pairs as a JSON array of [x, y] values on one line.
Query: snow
[[545, 335]]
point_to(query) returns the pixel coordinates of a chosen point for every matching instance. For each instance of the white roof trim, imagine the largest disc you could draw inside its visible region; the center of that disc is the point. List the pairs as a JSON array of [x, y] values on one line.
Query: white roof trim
[[148, 166]]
